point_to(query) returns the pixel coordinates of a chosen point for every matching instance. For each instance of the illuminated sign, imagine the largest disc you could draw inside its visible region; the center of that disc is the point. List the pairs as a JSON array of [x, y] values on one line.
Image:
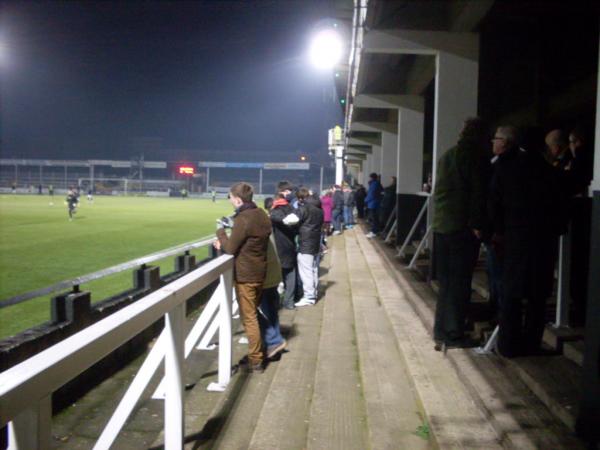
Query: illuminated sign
[[186, 170]]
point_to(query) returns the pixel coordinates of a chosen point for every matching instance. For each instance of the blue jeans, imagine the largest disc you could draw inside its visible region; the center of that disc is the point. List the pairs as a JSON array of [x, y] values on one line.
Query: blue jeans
[[337, 217], [494, 273], [268, 317], [348, 216]]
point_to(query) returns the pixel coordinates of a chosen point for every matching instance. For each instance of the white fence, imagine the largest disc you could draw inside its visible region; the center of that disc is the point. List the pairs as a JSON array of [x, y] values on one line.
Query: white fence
[[26, 389]]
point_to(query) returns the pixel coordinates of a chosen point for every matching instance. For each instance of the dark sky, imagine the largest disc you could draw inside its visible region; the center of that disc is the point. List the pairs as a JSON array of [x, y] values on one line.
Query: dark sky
[[92, 80]]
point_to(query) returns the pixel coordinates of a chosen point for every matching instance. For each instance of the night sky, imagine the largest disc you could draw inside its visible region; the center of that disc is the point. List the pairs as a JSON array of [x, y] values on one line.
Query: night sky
[[92, 80]]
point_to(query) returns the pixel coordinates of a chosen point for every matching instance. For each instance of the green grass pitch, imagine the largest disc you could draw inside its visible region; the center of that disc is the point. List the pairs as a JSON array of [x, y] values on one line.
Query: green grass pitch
[[40, 247]]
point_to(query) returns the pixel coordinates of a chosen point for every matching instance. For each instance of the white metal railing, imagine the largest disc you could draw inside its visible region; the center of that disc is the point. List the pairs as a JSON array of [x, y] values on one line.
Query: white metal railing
[[26, 389], [401, 252], [203, 242]]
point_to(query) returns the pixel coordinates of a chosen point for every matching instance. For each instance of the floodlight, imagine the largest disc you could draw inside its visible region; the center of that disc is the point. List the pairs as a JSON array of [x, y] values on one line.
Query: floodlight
[[326, 49]]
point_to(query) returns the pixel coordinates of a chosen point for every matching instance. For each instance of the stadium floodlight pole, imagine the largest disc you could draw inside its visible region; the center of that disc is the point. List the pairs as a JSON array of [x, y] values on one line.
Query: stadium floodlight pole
[[336, 148], [339, 164]]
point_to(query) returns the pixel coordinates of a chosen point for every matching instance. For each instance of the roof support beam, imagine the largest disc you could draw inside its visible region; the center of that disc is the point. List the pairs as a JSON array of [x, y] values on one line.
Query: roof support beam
[[365, 140], [373, 127], [417, 42], [414, 102]]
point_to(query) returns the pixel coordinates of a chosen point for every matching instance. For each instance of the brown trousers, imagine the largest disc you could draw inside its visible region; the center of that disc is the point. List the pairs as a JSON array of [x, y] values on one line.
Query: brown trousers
[[248, 297]]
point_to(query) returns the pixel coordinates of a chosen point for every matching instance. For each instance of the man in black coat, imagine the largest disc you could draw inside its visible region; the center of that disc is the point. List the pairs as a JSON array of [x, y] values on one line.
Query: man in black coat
[[309, 241], [285, 231], [388, 201], [337, 209], [360, 195], [526, 209]]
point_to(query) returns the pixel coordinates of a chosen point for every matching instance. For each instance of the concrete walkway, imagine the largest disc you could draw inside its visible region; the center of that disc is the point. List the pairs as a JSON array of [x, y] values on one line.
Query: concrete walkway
[[360, 373]]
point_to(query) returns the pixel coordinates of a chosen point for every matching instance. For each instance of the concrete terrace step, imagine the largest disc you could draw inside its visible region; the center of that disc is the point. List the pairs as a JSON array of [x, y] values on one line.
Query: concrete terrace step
[[394, 413], [283, 417], [574, 351], [453, 418], [338, 417], [555, 381], [518, 416]]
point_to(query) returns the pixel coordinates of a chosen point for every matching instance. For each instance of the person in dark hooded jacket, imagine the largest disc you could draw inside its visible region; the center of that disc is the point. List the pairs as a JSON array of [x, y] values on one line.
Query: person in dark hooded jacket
[[337, 213], [285, 232], [309, 240]]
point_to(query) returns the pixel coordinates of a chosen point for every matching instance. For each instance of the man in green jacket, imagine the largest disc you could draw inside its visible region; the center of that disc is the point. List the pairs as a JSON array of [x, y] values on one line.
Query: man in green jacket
[[248, 243], [457, 221]]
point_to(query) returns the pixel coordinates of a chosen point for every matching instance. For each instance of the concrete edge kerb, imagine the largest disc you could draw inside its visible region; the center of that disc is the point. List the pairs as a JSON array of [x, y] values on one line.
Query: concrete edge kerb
[[434, 439], [422, 410], [473, 381]]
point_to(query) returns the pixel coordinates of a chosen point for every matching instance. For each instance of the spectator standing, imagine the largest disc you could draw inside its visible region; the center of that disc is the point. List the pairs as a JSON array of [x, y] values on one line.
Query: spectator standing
[[557, 145], [268, 317], [248, 243], [51, 194], [309, 240], [457, 223], [504, 138], [327, 205], [285, 232], [389, 201], [287, 190], [337, 213], [360, 195], [313, 199], [349, 203], [579, 174], [373, 202], [525, 205]]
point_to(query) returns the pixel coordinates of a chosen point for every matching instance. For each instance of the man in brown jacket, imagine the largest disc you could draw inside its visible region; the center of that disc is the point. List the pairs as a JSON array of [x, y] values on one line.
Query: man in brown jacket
[[248, 243]]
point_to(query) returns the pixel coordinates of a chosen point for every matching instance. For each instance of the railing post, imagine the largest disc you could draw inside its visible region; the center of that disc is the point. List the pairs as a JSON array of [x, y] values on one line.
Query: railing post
[[413, 228], [72, 307], [223, 320], [147, 278], [174, 345], [185, 263], [564, 280], [32, 428], [225, 330]]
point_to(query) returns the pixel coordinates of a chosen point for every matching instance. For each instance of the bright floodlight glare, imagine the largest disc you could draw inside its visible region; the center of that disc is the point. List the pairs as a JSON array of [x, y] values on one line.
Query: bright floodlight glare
[[325, 49]]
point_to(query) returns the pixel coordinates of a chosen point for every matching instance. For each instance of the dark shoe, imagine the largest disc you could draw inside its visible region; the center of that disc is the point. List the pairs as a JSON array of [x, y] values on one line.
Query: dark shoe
[[255, 368], [441, 346], [274, 349]]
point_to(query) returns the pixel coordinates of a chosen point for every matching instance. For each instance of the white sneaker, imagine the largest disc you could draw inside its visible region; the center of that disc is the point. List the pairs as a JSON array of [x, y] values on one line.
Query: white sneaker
[[371, 235], [304, 302], [336, 232]]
